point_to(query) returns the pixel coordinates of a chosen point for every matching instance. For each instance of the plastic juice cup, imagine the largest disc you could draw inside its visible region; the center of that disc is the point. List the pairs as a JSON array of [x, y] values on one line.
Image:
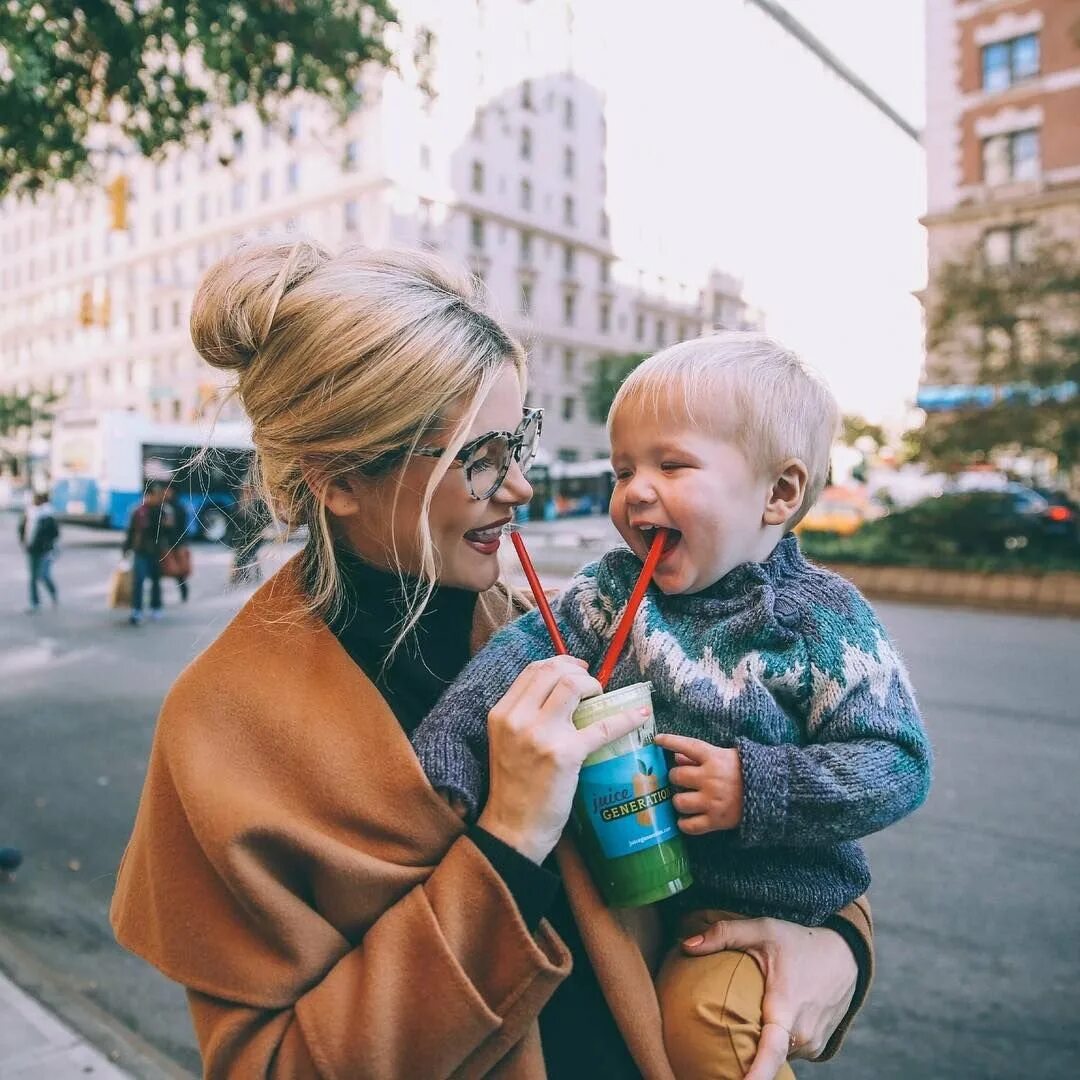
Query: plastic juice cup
[[622, 809]]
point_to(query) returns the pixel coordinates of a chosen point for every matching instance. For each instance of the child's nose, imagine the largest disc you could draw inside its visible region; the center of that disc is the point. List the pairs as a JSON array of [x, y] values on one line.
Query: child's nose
[[640, 492]]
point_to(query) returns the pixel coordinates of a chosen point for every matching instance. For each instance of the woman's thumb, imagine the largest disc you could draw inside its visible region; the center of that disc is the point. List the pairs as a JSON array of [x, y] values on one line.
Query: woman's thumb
[[744, 934]]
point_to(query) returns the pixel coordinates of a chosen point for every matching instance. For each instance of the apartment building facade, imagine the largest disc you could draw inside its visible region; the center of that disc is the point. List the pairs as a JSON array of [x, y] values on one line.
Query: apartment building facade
[[483, 146], [1002, 139]]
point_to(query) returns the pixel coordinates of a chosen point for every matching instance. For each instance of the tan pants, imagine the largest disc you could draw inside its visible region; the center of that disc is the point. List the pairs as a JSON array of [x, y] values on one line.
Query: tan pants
[[711, 1009]]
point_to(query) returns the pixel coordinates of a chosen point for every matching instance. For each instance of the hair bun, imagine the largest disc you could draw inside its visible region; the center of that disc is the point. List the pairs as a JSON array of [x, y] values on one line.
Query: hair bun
[[238, 297]]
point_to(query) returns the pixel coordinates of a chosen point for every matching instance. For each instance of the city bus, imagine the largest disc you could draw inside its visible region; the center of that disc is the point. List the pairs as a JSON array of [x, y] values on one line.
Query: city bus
[[101, 463]]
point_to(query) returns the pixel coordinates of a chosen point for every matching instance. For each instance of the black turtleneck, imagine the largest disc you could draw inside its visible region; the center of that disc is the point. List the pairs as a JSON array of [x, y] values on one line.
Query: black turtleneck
[[577, 1030]]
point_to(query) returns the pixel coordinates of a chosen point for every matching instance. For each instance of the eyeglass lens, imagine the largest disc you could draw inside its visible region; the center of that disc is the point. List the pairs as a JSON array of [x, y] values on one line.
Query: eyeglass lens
[[487, 467]]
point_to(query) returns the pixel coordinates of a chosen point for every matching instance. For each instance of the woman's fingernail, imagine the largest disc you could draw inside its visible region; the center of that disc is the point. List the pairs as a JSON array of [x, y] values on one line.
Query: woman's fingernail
[[694, 942]]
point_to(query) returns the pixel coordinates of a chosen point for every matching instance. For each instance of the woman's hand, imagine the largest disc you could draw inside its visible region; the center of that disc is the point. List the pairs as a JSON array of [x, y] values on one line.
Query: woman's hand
[[536, 753], [810, 976]]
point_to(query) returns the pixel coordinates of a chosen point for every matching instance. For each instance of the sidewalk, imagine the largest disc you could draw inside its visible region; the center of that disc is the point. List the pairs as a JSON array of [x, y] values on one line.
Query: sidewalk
[[35, 1045]]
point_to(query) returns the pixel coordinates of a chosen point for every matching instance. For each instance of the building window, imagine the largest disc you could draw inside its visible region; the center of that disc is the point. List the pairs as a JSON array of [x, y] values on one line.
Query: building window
[[525, 248], [264, 185], [526, 298], [568, 162], [352, 215], [1007, 62], [526, 144], [605, 224], [476, 231], [605, 317], [293, 131], [568, 259], [478, 176], [661, 332], [425, 157], [155, 225], [352, 155], [238, 144], [292, 176], [178, 217], [568, 362], [526, 95], [1013, 156], [639, 327], [569, 306], [568, 114], [568, 209], [176, 313], [526, 195], [605, 271], [238, 195], [1008, 245], [568, 404], [203, 207], [155, 318]]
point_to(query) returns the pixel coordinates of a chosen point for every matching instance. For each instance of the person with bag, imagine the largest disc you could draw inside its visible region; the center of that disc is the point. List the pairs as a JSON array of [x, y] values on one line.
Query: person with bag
[[150, 535], [39, 535], [290, 865], [176, 562]]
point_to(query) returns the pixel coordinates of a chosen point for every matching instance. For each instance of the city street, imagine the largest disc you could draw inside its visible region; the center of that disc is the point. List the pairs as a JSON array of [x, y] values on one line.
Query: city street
[[975, 897]]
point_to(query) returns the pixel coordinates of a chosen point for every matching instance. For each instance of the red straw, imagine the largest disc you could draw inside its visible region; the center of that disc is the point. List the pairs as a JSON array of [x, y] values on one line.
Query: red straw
[[538, 592], [622, 631]]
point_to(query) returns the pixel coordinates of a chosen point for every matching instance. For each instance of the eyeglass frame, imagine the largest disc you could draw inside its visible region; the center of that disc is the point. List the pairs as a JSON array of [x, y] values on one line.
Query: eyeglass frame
[[515, 442]]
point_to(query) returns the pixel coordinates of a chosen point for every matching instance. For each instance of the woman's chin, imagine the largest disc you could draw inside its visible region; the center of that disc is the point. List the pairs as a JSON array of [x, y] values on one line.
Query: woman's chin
[[474, 572]]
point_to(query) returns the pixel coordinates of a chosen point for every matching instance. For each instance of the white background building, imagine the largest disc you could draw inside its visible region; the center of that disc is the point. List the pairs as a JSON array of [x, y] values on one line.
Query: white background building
[[484, 146]]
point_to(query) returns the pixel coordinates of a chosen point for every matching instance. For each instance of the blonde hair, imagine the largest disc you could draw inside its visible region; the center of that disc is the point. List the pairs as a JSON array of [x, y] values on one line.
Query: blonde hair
[[748, 389], [344, 363]]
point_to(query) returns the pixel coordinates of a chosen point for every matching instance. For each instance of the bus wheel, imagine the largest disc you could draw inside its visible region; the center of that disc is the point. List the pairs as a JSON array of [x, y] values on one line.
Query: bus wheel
[[214, 524]]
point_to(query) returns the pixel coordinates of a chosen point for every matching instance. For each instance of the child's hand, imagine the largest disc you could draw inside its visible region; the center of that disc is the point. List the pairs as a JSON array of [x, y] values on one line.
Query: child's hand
[[712, 779]]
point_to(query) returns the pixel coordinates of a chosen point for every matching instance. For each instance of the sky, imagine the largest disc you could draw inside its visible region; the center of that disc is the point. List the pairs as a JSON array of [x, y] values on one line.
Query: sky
[[731, 145]]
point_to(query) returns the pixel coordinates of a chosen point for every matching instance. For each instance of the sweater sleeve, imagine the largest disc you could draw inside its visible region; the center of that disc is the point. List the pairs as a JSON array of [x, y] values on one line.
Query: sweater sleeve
[[866, 761], [452, 740], [485, 979]]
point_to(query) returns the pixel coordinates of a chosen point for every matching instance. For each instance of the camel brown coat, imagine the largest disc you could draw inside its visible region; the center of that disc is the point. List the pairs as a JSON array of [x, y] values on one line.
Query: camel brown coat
[[292, 868]]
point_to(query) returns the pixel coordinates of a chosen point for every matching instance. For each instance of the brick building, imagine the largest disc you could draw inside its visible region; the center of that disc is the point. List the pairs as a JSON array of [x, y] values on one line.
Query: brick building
[[1002, 136]]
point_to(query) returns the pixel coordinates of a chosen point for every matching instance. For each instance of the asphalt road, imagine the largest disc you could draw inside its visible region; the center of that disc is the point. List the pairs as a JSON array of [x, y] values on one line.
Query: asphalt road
[[975, 896]]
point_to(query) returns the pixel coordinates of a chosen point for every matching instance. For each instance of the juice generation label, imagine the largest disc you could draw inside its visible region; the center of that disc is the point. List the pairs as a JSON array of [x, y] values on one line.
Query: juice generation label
[[628, 801]]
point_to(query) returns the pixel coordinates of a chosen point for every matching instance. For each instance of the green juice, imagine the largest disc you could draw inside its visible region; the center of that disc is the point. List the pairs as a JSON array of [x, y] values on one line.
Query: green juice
[[625, 822]]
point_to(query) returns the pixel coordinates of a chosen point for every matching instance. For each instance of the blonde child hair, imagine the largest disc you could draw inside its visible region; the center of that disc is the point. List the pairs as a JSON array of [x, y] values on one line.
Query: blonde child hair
[[747, 389], [344, 363]]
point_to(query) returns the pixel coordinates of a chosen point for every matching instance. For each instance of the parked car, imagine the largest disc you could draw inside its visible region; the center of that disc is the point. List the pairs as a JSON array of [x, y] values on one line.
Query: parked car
[[838, 510], [1014, 519]]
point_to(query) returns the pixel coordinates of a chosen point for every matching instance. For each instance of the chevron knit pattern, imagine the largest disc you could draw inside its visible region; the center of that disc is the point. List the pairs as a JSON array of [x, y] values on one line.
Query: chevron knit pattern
[[783, 660]]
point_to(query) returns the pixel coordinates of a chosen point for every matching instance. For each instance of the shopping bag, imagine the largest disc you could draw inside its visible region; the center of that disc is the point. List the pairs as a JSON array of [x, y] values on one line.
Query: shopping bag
[[176, 562], [120, 586]]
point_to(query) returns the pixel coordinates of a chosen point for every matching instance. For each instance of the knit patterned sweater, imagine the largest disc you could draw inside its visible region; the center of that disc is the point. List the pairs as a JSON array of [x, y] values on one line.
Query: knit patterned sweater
[[783, 660]]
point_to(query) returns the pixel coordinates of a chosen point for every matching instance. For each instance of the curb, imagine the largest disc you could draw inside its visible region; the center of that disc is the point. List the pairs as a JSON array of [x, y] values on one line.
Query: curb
[[1055, 593], [123, 1047]]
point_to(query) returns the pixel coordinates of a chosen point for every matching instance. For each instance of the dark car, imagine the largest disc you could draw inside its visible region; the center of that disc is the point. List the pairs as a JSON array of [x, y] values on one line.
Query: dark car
[[1015, 518]]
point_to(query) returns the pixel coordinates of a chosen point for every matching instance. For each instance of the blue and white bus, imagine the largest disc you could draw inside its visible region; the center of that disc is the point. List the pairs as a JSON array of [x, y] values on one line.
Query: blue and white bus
[[102, 461]]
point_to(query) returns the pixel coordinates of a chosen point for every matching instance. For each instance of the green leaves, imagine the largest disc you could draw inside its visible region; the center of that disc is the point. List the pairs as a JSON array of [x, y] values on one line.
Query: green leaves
[[161, 70], [608, 374], [1007, 326]]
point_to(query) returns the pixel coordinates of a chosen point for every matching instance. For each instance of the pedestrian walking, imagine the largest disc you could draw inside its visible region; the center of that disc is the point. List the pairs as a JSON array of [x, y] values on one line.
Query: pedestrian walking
[[178, 559], [348, 923], [39, 535], [151, 533]]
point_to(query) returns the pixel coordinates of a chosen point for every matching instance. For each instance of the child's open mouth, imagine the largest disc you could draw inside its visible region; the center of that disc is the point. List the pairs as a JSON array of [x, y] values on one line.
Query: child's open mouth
[[648, 534]]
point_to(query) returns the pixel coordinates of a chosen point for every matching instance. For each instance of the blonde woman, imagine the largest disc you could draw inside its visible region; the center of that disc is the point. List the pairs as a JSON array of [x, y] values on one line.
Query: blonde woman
[[290, 865]]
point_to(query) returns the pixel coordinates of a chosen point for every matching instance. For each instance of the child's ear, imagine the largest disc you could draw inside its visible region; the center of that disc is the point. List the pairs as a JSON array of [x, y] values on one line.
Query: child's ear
[[787, 493]]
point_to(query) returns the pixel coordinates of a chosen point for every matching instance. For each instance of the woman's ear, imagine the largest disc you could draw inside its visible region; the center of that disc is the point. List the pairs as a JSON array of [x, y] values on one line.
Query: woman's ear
[[787, 493], [343, 496]]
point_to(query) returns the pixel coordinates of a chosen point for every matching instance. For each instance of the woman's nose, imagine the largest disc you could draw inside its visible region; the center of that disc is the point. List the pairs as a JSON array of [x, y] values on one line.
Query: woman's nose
[[515, 490]]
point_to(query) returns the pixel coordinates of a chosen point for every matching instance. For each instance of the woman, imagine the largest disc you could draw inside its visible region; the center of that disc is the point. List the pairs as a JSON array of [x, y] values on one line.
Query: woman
[[290, 865]]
